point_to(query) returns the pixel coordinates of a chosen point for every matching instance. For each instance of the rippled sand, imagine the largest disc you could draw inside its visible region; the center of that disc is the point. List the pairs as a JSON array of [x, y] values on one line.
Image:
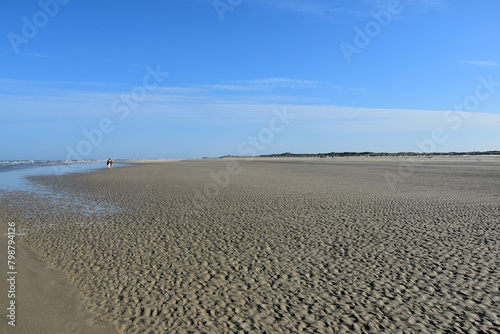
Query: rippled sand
[[285, 245]]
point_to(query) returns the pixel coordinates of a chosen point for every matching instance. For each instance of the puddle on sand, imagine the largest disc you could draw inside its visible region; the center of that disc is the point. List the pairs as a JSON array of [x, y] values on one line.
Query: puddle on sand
[[15, 180]]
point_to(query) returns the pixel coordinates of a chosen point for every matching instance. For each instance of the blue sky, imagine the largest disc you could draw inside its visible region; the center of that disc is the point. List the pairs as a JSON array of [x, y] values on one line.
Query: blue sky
[[88, 79]]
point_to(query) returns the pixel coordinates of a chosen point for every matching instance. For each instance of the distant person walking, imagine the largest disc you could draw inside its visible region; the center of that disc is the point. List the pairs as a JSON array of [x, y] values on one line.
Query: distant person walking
[[109, 163]]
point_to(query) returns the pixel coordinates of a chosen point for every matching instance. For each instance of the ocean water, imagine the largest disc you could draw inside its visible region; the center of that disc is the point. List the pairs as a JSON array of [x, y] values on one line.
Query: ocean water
[[14, 174], [37, 163]]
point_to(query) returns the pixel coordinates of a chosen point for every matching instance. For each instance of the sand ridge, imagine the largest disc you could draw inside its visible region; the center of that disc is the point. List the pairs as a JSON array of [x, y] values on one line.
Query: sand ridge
[[287, 246]]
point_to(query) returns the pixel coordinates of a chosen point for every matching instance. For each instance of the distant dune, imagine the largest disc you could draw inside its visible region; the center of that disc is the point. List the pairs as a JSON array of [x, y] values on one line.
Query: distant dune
[[370, 154]]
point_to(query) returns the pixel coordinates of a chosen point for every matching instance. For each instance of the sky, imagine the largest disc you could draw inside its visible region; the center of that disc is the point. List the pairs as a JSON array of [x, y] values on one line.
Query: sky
[[201, 78]]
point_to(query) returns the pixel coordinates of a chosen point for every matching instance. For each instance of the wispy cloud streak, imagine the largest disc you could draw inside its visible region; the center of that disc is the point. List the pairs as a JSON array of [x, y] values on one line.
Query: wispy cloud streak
[[479, 62], [262, 84]]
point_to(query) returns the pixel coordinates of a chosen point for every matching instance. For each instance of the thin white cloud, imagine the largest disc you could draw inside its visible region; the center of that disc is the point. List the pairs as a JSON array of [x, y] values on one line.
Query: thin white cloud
[[29, 54], [283, 82], [262, 84], [98, 96], [429, 4], [54, 88], [315, 119], [479, 62], [310, 7], [37, 55], [172, 89], [229, 87], [335, 119], [346, 7]]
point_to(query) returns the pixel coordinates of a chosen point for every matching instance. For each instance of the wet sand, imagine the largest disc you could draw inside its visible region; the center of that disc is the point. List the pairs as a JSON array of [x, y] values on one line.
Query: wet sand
[[270, 245]]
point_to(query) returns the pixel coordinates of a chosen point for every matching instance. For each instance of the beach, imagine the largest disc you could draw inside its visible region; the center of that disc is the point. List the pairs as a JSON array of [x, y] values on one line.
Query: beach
[[361, 245]]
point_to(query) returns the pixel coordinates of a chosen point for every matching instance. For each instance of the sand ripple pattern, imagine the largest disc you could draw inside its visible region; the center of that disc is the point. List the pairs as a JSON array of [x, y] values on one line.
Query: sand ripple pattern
[[288, 246]]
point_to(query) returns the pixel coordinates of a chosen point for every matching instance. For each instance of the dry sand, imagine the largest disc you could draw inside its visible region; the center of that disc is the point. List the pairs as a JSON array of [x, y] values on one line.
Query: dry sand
[[288, 245]]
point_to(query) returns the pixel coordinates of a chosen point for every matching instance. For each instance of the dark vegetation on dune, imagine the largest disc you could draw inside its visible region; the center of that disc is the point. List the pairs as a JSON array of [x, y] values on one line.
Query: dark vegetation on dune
[[371, 154]]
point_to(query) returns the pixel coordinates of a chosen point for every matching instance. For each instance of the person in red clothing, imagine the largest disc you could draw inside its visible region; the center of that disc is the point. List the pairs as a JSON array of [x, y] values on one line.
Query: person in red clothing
[[109, 163]]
